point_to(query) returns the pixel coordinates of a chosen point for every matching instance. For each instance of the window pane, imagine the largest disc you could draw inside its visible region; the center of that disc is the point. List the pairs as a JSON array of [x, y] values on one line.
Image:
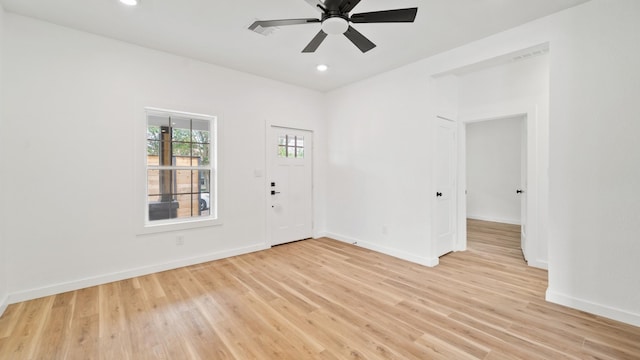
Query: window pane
[[181, 129], [181, 135], [300, 141], [180, 160], [200, 132], [291, 151], [282, 140], [291, 141], [186, 208], [282, 151], [185, 182], [200, 153], [205, 180], [153, 132], [153, 182], [300, 153], [153, 147], [153, 160], [181, 149]]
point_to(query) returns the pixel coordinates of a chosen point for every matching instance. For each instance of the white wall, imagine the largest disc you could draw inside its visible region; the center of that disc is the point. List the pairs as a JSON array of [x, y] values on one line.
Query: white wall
[[594, 210], [493, 170], [69, 120], [3, 254], [379, 157]]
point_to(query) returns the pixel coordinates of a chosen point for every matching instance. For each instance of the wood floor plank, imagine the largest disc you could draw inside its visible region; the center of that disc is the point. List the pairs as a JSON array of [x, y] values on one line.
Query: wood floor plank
[[322, 299]]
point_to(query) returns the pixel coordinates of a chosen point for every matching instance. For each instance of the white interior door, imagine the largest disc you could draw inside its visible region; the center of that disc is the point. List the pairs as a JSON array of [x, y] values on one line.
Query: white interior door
[[445, 183], [523, 189], [290, 185]]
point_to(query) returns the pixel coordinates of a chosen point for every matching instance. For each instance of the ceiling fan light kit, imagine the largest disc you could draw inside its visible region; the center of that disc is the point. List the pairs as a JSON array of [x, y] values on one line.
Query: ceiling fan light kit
[[129, 2], [335, 21], [335, 26]]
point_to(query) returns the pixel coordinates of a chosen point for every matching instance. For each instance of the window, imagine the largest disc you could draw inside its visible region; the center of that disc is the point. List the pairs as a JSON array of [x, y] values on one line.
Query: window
[[180, 160], [290, 146]]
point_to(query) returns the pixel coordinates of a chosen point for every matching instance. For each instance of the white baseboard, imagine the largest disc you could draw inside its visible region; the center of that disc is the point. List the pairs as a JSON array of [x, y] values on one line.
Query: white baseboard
[[385, 250], [538, 264], [594, 308], [3, 305], [494, 219], [126, 274]]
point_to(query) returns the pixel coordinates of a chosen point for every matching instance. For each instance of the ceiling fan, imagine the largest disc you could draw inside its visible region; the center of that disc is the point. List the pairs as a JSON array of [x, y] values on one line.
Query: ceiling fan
[[335, 20]]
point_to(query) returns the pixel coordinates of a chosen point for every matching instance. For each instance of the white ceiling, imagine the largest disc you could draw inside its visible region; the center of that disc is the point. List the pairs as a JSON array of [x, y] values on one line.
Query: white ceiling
[[215, 31]]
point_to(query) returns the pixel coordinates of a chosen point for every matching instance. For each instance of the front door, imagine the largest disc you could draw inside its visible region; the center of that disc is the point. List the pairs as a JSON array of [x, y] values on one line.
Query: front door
[[290, 184], [445, 184]]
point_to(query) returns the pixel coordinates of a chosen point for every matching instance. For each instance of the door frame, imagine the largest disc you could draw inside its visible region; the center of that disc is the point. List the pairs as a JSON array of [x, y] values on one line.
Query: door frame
[[535, 178], [268, 241]]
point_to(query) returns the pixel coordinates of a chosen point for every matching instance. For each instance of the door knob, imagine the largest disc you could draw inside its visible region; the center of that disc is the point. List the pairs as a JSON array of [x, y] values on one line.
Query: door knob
[[519, 191], [273, 192], [438, 194]]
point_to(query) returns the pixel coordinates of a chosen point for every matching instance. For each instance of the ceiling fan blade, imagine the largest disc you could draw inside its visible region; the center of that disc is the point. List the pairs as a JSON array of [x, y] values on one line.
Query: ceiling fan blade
[[317, 4], [359, 40], [315, 42], [348, 5], [386, 16], [284, 22]]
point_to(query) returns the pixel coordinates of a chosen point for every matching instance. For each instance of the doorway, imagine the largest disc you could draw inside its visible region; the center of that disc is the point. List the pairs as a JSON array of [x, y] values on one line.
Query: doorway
[[496, 174], [535, 183]]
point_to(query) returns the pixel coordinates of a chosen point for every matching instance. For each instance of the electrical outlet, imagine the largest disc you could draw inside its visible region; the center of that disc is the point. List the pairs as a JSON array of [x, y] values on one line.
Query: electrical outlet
[[180, 240]]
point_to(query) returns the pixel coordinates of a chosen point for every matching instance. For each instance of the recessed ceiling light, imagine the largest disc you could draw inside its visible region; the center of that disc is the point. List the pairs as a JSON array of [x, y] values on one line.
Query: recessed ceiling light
[[322, 67], [129, 2]]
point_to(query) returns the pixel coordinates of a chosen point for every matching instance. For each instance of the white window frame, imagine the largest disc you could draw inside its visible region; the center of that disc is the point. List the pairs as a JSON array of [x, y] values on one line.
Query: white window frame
[[145, 226]]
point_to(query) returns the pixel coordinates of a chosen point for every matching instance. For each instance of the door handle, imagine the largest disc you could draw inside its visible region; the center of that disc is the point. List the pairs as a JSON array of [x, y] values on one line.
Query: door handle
[[438, 194], [519, 191], [273, 192]]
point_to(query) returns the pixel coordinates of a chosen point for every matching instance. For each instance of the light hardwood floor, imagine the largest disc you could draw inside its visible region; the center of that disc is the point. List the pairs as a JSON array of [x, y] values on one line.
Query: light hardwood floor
[[322, 299]]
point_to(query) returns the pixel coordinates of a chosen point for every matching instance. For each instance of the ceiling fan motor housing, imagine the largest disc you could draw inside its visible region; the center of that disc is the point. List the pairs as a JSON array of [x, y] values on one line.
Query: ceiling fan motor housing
[[335, 25]]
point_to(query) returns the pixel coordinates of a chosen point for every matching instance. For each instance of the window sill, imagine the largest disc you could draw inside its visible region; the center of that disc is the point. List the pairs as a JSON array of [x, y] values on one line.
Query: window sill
[[163, 226]]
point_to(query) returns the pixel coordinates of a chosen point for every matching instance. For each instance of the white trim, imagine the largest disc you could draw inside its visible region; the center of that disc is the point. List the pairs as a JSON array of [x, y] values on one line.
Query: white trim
[[538, 264], [593, 308], [161, 112], [127, 274], [384, 250], [494, 219], [3, 305]]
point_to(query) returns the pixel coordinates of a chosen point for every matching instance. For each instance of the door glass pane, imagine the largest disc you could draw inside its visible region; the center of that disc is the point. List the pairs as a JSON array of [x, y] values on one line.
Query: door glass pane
[[282, 151], [291, 151]]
